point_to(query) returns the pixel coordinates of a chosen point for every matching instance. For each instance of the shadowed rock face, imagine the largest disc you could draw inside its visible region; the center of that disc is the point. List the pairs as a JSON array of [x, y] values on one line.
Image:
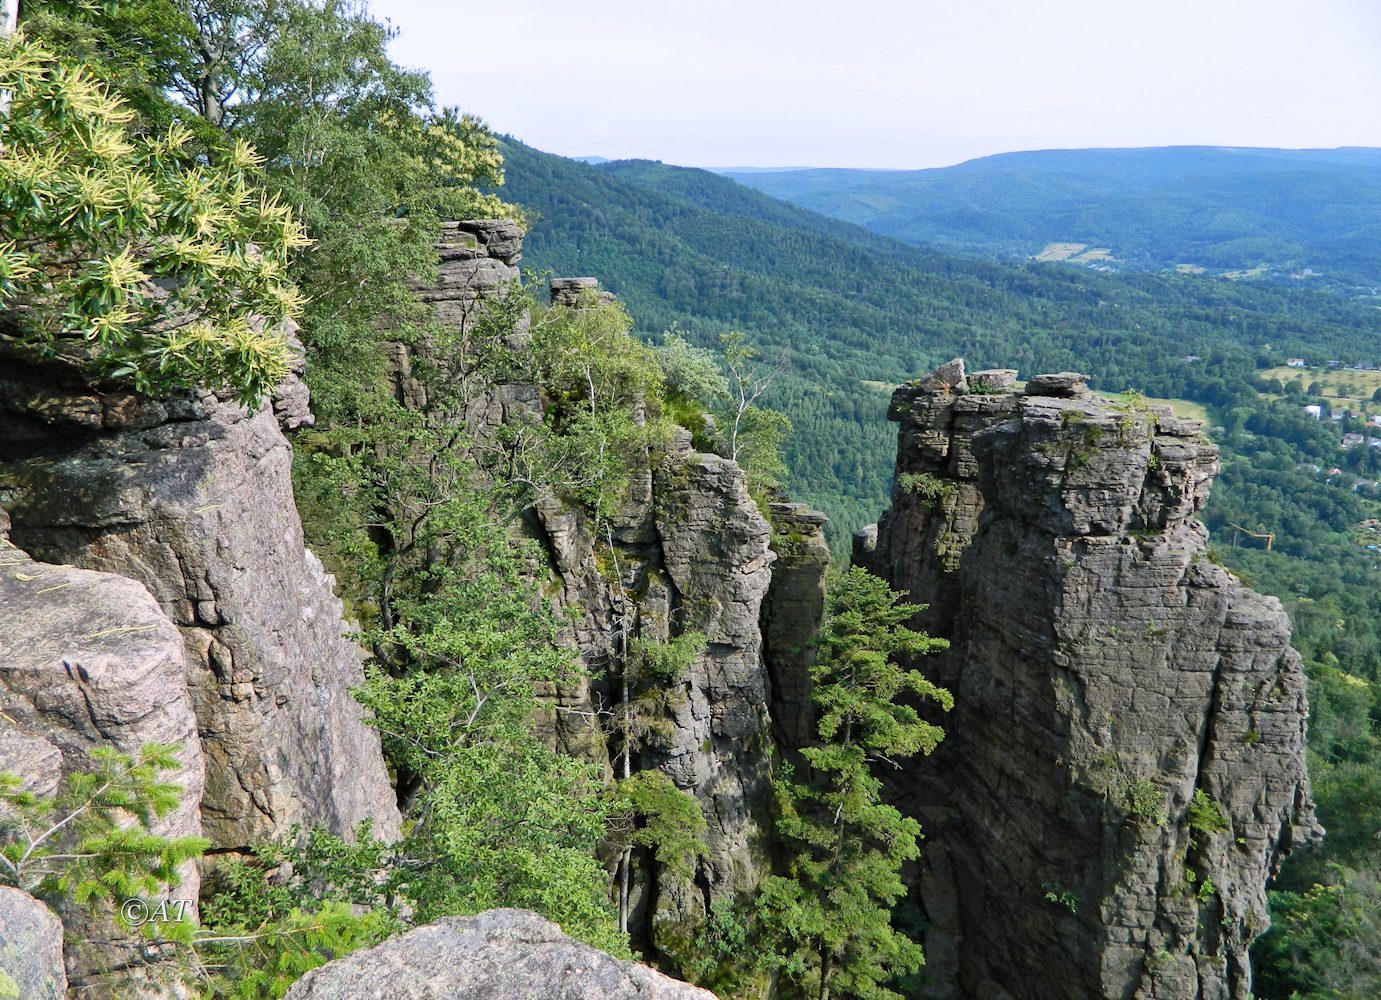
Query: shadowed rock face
[[501, 953], [191, 497], [791, 616], [1104, 671]]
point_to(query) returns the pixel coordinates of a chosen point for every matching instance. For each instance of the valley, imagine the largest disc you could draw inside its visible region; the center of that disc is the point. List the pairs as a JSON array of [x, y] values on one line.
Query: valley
[[432, 566], [1279, 216]]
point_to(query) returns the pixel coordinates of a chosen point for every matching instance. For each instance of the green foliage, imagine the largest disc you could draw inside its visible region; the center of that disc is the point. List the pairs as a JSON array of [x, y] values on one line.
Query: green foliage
[[1146, 803], [81, 842], [255, 963], [827, 920], [1207, 890], [693, 385], [750, 434], [353, 142], [294, 905], [650, 661], [134, 48], [498, 818], [1323, 940], [165, 269], [602, 386], [1205, 815], [1060, 897], [690, 372], [669, 820], [495, 818], [932, 489], [720, 954]]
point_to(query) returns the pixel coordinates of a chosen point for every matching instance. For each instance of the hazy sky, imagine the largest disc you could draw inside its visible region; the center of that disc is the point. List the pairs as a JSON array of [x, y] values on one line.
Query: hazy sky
[[877, 83]]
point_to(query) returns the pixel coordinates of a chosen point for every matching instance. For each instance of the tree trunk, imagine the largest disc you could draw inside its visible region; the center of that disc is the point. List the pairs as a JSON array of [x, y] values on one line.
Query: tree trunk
[[624, 873], [9, 22]]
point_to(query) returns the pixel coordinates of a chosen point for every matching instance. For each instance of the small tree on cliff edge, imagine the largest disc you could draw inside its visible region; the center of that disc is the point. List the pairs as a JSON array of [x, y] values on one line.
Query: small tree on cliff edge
[[829, 917]]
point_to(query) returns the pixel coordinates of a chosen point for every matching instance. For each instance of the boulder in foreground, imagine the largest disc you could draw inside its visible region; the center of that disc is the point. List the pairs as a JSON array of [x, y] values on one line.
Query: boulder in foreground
[[499, 953]]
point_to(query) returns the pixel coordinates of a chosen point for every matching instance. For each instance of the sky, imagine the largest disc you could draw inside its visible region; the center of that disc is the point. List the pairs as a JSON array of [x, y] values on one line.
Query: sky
[[894, 84]]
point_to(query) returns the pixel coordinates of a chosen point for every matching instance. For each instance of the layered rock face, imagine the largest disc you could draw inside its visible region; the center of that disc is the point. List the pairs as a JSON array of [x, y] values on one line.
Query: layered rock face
[[89, 660], [499, 953], [690, 552], [1124, 765], [791, 617], [191, 498], [687, 550]]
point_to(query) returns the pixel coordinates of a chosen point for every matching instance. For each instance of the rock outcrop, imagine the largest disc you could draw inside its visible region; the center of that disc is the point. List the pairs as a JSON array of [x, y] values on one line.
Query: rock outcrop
[[30, 948], [191, 498], [688, 550], [1124, 765], [689, 553], [791, 616], [499, 953], [89, 660]]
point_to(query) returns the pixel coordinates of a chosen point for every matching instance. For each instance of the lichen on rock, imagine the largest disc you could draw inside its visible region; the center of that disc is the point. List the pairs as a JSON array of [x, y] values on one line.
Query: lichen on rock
[[1105, 673]]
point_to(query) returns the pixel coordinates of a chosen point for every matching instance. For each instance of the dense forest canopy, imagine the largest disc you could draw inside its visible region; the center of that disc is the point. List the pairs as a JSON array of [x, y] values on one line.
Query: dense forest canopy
[[1294, 216], [297, 134]]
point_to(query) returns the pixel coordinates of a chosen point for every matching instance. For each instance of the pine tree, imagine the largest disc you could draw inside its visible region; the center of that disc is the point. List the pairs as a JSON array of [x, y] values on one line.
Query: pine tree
[[829, 917]]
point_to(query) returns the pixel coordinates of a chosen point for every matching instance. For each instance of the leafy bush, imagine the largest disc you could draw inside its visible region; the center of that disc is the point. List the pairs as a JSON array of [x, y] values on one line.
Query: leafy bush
[[166, 269], [1205, 815], [1146, 802]]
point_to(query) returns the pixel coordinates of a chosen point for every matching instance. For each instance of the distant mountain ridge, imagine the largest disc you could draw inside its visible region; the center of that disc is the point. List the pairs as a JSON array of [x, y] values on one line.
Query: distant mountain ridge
[[1309, 216], [854, 312]]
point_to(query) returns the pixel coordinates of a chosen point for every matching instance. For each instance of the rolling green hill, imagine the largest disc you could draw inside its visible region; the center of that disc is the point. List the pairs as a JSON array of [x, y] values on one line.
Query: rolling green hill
[[1273, 213], [855, 312], [846, 306]]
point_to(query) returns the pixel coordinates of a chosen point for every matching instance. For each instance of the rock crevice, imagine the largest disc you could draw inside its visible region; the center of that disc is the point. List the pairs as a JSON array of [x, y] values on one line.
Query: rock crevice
[[192, 498]]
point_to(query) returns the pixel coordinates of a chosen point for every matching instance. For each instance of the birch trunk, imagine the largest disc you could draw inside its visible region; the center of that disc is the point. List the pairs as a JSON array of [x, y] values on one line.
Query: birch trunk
[[9, 22]]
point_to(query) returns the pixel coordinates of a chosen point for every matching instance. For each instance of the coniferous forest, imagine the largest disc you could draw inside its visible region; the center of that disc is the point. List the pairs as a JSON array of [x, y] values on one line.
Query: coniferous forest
[[178, 179]]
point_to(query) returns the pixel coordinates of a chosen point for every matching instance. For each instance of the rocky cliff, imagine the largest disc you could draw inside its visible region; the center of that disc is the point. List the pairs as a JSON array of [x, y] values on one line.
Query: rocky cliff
[[89, 660], [688, 550], [154, 587], [191, 498], [1124, 765]]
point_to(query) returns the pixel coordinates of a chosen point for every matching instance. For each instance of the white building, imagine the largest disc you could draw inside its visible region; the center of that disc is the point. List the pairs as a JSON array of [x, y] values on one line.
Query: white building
[[1294, 362], [1314, 410]]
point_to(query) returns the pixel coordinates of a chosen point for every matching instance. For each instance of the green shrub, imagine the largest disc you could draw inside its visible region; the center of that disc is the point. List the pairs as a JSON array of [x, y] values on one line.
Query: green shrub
[[1205, 815], [1146, 803]]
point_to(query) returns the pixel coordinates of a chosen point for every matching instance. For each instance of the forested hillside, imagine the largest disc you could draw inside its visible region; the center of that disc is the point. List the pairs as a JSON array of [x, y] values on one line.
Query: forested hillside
[[846, 307], [1312, 216]]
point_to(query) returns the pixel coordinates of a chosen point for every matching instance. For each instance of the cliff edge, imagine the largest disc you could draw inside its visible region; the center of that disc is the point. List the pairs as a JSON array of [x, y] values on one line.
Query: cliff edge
[[1124, 766]]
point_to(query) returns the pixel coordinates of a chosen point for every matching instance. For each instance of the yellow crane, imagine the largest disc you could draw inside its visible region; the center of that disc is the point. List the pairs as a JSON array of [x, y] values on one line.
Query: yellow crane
[[1269, 536]]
